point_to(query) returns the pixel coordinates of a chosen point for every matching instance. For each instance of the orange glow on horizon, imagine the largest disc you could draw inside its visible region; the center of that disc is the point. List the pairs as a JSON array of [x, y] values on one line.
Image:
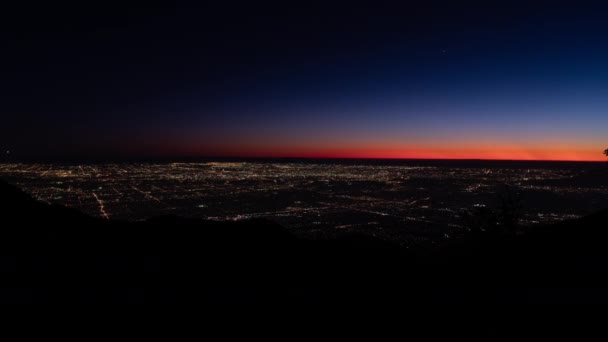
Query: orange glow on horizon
[[548, 149], [488, 152]]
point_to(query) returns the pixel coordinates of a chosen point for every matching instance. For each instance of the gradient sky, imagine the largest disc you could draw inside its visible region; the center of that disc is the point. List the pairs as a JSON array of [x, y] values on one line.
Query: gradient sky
[[518, 80]]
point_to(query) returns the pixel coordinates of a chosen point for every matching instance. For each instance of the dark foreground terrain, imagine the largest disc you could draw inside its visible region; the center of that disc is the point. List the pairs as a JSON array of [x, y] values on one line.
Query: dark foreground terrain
[[497, 284]]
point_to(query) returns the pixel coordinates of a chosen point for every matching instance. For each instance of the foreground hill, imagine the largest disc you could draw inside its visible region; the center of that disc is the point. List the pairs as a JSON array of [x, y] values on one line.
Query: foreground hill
[[168, 259], [52, 254]]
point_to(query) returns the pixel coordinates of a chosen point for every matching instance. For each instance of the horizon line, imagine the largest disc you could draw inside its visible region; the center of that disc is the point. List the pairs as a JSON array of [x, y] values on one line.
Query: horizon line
[[168, 158]]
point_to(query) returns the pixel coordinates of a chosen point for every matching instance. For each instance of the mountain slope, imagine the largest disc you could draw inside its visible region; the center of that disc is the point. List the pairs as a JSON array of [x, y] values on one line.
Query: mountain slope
[[55, 255]]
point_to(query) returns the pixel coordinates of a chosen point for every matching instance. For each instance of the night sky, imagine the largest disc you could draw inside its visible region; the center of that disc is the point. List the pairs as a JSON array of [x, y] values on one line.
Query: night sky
[[521, 80]]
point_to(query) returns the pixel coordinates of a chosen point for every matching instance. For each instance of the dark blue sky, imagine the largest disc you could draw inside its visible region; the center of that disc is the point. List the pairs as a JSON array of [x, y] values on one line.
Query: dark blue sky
[[430, 79]]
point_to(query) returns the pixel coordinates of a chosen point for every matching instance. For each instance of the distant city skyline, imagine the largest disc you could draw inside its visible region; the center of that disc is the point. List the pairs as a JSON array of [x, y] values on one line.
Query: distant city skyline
[[311, 197]]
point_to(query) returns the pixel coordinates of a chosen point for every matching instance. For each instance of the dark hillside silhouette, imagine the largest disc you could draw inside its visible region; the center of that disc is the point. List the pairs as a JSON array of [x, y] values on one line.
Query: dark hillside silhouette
[[55, 255]]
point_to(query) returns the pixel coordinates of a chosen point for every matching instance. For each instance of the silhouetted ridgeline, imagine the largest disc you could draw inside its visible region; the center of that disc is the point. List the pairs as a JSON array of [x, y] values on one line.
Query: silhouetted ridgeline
[[52, 254], [61, 254]]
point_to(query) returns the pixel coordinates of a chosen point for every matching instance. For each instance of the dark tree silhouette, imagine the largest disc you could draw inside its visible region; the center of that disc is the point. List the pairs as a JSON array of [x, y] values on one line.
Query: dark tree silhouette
[[503, 218], [606, 152]]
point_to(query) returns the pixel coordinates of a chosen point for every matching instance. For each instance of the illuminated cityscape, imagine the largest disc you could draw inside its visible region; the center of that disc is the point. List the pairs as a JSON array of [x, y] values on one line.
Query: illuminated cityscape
[[401, 201]]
